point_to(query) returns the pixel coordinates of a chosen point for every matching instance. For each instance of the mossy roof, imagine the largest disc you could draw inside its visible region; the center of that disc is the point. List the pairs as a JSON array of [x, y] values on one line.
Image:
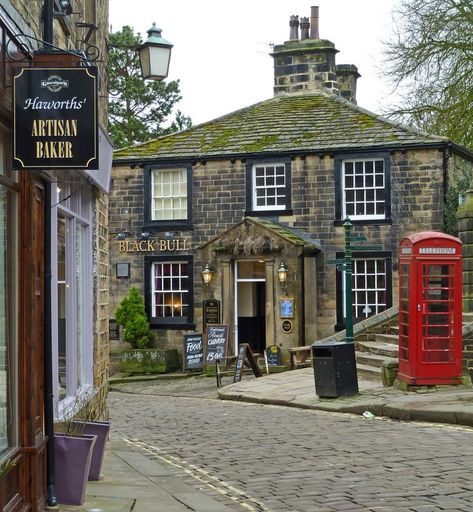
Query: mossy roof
[[295, 123], [290, 235]]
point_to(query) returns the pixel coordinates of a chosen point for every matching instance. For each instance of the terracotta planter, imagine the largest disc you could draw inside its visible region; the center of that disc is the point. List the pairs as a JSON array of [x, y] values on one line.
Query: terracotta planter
[[72, 458], [101, 430]]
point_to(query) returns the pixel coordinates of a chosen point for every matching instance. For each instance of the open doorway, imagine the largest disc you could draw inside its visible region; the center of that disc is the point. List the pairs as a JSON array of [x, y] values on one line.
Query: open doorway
[[250, 300]]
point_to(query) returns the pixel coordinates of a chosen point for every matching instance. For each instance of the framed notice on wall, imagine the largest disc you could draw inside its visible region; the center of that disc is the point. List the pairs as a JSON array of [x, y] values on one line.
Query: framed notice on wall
[[286, 307]]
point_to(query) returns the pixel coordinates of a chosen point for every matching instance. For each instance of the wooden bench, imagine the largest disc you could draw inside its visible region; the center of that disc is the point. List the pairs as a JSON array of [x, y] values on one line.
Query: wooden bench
[[300, 357]]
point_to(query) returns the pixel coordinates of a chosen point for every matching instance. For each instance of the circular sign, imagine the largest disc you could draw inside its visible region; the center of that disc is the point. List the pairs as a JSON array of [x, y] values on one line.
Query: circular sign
[[286, 326]]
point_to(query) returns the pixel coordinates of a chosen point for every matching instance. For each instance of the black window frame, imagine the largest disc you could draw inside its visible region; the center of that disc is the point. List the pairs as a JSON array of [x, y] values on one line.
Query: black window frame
[[338, 170], [250, 210], [340, 297], [169, 323], [164, 225]]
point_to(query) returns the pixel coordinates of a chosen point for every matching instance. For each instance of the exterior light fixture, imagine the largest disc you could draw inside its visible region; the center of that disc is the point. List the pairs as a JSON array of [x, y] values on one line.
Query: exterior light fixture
[[207, 274], [282, 273], [145, 235], [155, 54]]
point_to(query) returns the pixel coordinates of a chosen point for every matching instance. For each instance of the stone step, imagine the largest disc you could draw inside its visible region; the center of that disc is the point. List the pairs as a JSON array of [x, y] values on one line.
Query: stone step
[[379, 348], [467, 318], [370, 359], [392, 339], [369, 372]]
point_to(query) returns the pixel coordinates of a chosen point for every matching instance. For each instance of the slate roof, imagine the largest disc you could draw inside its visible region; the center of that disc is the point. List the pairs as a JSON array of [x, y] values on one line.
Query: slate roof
[[291, 235], [309, 122]]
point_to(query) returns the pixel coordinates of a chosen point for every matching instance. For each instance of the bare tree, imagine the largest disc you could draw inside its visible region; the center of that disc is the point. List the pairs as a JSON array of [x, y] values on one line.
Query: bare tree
[[430, 60]]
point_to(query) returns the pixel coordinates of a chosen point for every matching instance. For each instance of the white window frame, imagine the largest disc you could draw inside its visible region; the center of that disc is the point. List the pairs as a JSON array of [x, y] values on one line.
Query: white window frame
[[77, 210], [173, 198], [256, 187], [180, 291], [376, 306], [366, 189]]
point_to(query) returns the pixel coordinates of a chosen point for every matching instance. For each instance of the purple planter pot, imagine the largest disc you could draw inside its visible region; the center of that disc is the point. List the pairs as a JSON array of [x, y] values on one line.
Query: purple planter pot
[[101, 430], [72, 457]]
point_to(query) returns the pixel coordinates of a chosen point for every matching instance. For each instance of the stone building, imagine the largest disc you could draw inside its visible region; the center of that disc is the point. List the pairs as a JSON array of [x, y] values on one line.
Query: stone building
[[272, 184], [54, 259]]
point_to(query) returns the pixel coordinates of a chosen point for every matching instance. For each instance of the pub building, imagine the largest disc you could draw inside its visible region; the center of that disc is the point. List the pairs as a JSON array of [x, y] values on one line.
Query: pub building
[[235, 220], [54, 175]]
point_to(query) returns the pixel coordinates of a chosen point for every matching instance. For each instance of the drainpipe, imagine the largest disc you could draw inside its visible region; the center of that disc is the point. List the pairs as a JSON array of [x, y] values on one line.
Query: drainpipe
[[48, 359], [303, 299], [51, 500]]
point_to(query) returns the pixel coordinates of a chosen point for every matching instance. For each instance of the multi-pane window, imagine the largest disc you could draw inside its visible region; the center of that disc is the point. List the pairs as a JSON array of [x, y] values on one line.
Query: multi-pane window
[[364, 189], [168, 194], [269, 187], [369, 287], [170, 289]]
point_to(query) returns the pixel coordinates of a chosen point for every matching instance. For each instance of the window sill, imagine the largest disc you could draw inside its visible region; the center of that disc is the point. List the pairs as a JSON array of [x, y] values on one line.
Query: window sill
[[166, 225], [363, 222], [154, 324], [267, 213]]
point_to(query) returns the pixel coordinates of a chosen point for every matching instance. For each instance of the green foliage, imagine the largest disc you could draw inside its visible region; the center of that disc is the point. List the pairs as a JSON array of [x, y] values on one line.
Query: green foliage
[[138, 109], [430, 60], [458, 186], [131, 315]]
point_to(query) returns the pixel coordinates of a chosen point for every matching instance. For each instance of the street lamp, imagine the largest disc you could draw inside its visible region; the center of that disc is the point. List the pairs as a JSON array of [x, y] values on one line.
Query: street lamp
[[155, 54]]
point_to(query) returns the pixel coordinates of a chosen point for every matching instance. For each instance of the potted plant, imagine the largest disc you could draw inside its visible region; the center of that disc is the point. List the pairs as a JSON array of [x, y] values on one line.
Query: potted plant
[[72, 455], [90, 410]]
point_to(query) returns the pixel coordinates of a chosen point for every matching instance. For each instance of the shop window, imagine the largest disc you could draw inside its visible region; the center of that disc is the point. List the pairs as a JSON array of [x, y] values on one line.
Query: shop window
[[268, 187], [168, 196], [371, 286], [169, 291], [8, 302], [74, 290], [363, 188]]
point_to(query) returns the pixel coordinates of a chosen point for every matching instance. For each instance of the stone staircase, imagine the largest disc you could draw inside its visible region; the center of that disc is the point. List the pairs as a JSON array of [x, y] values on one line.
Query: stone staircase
[[374, 350]]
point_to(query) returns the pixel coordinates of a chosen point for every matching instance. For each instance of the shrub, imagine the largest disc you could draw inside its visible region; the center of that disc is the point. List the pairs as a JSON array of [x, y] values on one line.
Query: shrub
[[131, 315]]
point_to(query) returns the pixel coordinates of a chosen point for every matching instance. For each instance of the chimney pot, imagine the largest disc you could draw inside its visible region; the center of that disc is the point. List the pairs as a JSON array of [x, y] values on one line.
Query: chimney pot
[[314, 22], [305, 28], [294, 27]]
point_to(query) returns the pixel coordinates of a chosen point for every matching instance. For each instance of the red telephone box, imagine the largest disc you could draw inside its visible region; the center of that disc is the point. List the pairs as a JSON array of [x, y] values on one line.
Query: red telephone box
[[430, 309]]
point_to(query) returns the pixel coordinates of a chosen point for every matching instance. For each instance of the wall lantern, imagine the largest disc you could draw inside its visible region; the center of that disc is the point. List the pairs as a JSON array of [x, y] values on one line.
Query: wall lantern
[[155, 54], [282, 273], [207, 274]]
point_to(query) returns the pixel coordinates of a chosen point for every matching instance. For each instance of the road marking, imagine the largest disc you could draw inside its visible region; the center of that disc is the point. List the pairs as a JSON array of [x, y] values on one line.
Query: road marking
[[203, 476]]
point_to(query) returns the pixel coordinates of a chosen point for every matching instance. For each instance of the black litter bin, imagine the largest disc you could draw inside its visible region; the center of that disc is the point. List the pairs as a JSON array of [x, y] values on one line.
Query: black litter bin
[[334, 366]]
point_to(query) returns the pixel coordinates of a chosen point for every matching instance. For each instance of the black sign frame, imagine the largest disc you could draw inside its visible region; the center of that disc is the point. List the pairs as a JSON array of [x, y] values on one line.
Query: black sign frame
[[216, 343], [210, 312], [55, 118], [191, 351]]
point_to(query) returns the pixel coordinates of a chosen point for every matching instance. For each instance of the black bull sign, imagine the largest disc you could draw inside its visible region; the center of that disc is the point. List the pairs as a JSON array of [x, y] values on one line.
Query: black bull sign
[[55, 118]]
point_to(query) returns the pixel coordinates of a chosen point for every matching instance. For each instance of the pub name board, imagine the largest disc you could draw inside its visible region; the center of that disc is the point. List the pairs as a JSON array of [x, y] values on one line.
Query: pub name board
[[161, 245], [55, 118]]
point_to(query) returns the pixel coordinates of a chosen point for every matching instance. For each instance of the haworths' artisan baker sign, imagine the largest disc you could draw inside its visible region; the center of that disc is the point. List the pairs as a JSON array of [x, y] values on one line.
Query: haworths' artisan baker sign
[[55, 118]]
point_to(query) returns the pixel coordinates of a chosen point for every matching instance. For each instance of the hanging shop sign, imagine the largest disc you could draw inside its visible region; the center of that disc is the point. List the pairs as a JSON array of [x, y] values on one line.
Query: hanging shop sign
[[55, 118]]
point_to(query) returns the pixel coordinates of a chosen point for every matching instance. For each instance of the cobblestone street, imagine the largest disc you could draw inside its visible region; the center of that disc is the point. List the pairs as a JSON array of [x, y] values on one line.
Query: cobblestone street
[[268, 458]]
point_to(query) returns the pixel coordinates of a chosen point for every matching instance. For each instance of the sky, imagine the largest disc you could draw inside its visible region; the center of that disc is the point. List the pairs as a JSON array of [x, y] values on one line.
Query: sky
[[221, 52]]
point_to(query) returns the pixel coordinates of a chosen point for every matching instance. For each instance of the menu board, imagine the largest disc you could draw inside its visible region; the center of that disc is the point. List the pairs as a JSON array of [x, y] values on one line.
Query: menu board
[[216, 343], [193, 351]]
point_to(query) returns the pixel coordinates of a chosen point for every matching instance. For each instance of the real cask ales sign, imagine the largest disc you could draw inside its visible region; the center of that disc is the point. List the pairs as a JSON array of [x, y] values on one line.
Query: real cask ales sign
[[55, 118]]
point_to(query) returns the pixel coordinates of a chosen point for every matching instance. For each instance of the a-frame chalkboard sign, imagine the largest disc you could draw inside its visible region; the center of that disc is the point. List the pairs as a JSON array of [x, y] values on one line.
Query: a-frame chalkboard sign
[[245, 354]]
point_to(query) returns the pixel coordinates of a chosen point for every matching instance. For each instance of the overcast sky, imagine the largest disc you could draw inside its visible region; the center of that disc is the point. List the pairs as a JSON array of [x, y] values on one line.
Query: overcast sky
[[222, 48]]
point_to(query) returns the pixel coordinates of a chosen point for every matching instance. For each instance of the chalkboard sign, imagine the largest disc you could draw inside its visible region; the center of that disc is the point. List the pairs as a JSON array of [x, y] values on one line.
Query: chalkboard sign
[[240, 362], [216, 343], [273, 355], [193, 351], [211, 312], [244, 352]]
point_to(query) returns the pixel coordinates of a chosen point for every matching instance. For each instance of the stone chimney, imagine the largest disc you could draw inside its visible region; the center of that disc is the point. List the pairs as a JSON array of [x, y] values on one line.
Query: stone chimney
[[308, 63]]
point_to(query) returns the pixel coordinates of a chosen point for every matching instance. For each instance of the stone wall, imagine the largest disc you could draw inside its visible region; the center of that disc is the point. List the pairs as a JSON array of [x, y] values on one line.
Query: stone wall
[[219, 202]]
